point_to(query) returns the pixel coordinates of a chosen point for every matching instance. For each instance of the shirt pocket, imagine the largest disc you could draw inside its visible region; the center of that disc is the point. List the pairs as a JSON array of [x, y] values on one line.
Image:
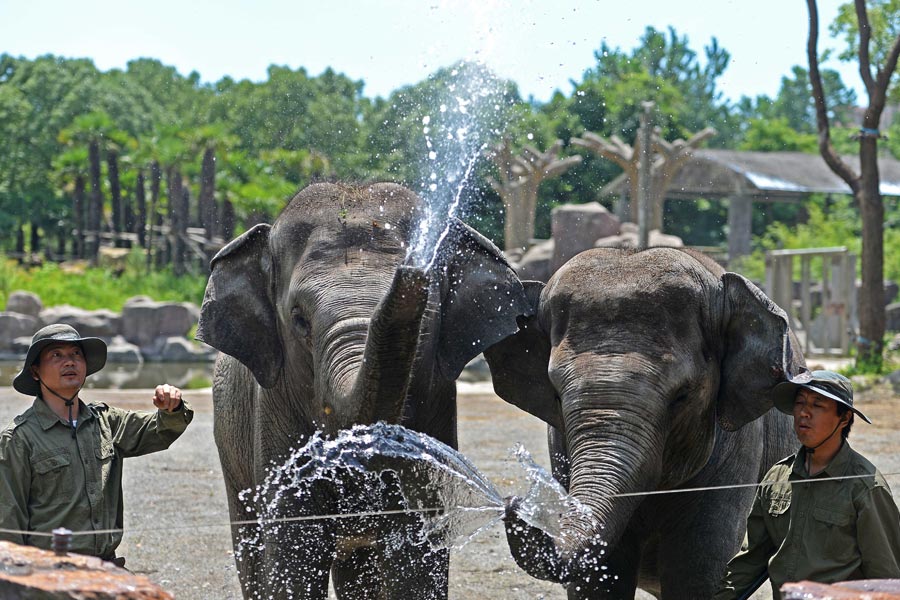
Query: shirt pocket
[[835, 532], [105, 453], [52, 482]]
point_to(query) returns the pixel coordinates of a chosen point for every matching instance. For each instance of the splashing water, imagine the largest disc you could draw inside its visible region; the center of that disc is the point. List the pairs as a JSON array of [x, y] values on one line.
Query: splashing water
[[471, 108], [383, 468]]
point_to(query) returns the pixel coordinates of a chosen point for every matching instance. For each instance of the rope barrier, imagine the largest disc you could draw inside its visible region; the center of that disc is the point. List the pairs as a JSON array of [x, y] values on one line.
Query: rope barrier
[[499, 509]]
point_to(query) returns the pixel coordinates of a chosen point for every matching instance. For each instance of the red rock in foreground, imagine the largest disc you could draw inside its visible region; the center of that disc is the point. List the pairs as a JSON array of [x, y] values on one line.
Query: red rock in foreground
[[28, 573], [866, 589]]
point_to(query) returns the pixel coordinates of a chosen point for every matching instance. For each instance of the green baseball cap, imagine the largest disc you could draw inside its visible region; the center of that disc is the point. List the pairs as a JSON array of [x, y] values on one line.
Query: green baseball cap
[[828, 383], [94, 354]]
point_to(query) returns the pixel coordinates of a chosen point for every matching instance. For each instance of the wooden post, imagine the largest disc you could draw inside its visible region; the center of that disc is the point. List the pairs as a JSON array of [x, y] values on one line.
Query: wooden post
[[644, 177]]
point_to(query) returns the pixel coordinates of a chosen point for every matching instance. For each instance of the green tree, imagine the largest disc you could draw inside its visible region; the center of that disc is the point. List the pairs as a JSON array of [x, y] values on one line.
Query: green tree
[[873, 34]]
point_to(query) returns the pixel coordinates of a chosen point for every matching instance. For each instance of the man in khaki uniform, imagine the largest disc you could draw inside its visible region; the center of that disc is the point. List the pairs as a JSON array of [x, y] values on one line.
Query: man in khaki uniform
[[61, 460], [803, 529]]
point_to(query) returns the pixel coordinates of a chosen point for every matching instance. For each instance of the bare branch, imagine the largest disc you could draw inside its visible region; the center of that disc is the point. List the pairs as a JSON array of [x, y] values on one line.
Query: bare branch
[[890, 65], [865, 37], [826, 149]]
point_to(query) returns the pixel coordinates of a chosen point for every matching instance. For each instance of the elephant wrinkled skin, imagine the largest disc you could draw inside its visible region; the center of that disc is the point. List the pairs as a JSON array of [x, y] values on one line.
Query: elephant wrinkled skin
[[654, 371], [322, 323]]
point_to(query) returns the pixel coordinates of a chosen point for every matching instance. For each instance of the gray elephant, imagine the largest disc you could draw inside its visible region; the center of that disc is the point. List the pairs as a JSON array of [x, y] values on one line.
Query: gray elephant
[[653, 369], [323, 324]]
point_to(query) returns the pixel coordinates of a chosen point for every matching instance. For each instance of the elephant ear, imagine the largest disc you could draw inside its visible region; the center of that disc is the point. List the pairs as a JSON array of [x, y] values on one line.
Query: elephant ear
[[761, 351], [481, 297], [238, 315], [519, 365]]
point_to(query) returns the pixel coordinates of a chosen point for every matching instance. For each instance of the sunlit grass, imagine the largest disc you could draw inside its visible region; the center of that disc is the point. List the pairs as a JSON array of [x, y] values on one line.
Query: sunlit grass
[[94, 288]]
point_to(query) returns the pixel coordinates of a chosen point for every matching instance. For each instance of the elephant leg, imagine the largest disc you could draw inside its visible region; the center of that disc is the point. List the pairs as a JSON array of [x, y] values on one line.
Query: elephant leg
[[617, 581], [297, 560], [355, 575], [559, 455]]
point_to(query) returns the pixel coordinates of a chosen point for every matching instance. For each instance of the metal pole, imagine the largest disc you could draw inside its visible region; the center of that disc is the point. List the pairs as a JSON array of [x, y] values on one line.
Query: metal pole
[[644, 178]]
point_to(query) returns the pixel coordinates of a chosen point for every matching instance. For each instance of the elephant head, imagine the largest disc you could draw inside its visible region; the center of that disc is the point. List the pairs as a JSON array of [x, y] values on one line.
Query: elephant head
[[635, 358], [326, 311]]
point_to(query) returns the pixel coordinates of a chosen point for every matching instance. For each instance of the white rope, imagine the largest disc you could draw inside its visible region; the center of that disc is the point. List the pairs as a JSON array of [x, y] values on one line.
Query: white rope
[[498, 509]]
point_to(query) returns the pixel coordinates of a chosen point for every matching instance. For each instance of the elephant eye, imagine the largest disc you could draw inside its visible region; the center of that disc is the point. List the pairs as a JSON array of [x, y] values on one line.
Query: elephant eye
[[301, 326]]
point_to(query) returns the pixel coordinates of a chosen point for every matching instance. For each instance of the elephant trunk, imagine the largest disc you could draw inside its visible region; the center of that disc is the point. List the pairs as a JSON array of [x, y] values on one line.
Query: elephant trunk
[[613, 452], [391, 346]]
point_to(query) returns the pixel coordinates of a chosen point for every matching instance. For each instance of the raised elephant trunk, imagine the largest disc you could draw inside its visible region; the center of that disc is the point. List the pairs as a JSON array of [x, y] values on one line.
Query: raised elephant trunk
[[391, 347]]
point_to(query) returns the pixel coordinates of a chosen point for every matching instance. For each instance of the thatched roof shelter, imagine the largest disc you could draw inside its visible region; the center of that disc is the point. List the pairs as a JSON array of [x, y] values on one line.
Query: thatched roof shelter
[[743, 177]]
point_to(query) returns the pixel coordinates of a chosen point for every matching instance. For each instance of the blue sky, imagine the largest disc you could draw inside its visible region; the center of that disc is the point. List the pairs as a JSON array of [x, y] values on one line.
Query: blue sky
[[539, 44]]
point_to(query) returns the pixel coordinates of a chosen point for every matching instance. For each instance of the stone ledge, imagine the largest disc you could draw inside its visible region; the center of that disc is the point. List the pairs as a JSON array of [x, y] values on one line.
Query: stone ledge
[[866, 589], [28, 573]]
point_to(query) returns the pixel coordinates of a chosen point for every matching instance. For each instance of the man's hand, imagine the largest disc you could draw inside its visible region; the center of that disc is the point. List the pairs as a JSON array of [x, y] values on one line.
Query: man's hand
[[167, 398]]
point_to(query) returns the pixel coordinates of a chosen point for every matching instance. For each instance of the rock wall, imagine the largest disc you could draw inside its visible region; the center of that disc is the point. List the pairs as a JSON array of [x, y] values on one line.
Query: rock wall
[[144, 330]]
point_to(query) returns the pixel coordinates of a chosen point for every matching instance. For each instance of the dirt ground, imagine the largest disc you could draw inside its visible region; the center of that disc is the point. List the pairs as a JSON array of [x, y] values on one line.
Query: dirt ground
[[176, 513]]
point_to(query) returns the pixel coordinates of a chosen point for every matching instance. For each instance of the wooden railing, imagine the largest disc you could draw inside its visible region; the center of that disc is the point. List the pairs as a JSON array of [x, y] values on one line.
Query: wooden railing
[[831, 317]]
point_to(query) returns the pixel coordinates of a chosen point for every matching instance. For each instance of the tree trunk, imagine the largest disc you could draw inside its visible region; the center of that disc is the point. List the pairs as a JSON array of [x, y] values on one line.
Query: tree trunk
[[153, 218], [870, 343], [115, 192], [140, 200], [95, 210], [34, 239], [20, 240], [207, 193], [78, 211], [177, 219], [227, 220]]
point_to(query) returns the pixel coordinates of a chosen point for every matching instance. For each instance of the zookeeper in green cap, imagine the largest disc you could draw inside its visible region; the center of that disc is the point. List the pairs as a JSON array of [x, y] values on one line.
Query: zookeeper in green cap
[[846, 527], [61, 460]]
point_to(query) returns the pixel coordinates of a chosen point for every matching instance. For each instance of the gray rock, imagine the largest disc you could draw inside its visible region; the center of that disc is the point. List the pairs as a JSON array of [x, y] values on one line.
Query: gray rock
[[180, 349], [145, 321], [120, 351], [577, 226], [476, 370], [26, 303], [628, 238], [894, 380], [535, 265], [892, 317], [100, 323], [15, 325]]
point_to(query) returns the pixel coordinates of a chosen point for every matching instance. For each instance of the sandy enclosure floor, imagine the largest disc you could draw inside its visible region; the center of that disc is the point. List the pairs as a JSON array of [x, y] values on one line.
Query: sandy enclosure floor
[[176, 513]]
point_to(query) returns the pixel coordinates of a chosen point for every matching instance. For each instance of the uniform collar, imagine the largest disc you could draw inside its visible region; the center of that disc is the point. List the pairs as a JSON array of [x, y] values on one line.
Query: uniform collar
[[836, 468], [47, 418]]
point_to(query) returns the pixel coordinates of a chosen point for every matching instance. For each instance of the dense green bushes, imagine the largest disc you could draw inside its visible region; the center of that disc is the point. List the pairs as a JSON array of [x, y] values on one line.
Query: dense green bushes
[[94, 288]]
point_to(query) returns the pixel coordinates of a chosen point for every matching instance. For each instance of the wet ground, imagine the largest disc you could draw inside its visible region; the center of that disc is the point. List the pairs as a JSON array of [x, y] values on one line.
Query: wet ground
[[176, 510]]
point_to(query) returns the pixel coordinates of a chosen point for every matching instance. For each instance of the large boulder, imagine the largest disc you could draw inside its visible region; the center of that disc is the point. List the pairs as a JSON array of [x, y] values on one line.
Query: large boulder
[[13, 326], [577, 226], [119, 350], [627, 237], [100, 323], [25, 303], [144, 321], [536, 264]]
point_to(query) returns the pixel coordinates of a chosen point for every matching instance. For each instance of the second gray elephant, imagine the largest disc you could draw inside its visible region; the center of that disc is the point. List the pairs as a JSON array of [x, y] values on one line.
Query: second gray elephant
[[653, 370], [323, 324]]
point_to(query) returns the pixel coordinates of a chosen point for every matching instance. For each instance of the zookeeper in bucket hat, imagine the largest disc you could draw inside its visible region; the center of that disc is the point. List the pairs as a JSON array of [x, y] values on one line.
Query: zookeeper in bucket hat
[[61, 460], [824, 514]]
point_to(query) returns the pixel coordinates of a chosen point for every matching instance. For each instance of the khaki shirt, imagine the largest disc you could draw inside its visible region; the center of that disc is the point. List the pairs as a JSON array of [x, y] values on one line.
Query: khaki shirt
[[830, 531], [50, 478]]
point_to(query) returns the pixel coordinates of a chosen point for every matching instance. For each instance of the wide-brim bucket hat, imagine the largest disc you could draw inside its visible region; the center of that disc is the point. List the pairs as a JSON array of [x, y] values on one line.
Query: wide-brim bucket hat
[[828, 383], [94, 354]]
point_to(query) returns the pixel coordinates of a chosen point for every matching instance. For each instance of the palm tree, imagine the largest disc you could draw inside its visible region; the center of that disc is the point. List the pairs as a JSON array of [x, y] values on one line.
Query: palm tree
[[89, 130]]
